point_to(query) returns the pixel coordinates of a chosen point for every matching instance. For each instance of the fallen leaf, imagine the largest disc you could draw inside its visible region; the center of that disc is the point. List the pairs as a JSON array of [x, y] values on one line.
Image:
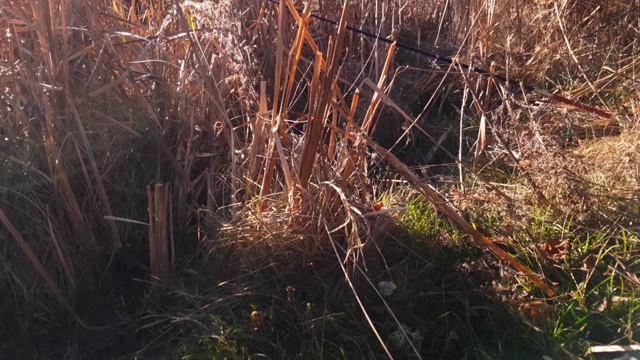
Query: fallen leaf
[[556, 248], [539, 311]]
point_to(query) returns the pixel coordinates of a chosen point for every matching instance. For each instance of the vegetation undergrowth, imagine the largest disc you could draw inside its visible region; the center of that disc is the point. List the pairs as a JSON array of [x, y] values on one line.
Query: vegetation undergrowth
[[240, 180]]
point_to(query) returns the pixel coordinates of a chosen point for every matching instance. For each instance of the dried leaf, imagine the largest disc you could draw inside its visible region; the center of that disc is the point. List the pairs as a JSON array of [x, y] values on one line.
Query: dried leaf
[[539, 311], [556, 248]]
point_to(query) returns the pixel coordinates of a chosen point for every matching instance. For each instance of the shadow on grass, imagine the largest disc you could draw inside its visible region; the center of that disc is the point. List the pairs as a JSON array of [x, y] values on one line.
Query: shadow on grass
[[452, 301]]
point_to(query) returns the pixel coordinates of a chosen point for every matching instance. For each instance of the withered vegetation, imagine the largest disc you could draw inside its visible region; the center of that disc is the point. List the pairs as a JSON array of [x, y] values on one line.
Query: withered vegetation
[[224, 179]]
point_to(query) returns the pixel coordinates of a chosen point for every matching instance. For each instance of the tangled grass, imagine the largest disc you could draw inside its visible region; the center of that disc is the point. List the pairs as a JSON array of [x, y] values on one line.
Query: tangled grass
[[266, 124]]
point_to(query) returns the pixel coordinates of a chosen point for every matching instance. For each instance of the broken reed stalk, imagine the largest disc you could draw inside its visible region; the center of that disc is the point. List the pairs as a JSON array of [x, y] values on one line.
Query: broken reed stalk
[[256, 148], [440, 203], [414, 124], [159, 202], [347, 159], [294, 58], [443, 206], [321, 103]]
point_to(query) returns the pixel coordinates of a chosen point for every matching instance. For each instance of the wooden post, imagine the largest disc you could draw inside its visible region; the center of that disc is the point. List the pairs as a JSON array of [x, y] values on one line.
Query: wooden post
[[159, 203]]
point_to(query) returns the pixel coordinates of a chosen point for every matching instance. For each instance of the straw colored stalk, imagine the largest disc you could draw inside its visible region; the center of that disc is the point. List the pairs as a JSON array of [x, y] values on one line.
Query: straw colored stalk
[[320, 105], [298, 20], [373, 106], [256, 148], [443, 206], [270, 164], [347, 160], [294, 57], [375, 101], [52, 104]]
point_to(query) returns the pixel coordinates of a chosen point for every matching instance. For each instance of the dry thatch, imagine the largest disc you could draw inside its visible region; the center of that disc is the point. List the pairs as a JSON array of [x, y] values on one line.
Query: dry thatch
[[262, 119]]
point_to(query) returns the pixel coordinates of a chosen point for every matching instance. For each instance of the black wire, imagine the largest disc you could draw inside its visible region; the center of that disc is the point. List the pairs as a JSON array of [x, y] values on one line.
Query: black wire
[[436, 57]]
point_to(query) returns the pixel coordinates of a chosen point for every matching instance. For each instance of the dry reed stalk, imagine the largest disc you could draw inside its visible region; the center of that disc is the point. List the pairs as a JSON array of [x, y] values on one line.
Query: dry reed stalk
[[117, 243], [283, 161], [294, 58], [597, 129], [414, 123], [465, 97], [443, 206], [279, 61], [320, 106], [276, 120], [256, 148], [375, 102], [298, 19], [269, 167], [481, 142], [347, 160], [332, 135], [314, 90]]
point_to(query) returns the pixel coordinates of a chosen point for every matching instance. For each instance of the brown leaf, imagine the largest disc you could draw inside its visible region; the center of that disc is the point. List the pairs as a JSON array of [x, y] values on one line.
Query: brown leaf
[[556, 248], [539, 311]]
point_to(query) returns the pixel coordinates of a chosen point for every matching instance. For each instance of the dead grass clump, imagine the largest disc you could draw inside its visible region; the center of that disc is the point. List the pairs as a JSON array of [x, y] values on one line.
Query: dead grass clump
[[573, 164], [97, 101], [290, 173], [609, 165]]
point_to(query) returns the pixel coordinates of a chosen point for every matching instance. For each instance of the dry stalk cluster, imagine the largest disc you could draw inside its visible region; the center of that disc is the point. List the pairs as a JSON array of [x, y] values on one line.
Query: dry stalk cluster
[[98, 100]]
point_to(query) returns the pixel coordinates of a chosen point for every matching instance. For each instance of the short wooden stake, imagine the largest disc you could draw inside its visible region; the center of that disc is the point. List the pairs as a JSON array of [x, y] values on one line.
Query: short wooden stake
[[159, 200]]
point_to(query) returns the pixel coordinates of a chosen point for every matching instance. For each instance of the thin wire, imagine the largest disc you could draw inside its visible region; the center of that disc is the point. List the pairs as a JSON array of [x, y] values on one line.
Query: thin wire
[[447, 60]]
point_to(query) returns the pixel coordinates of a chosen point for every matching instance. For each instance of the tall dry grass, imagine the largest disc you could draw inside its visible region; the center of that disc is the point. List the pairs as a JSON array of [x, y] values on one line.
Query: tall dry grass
[[98, 101], [259, 117]]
